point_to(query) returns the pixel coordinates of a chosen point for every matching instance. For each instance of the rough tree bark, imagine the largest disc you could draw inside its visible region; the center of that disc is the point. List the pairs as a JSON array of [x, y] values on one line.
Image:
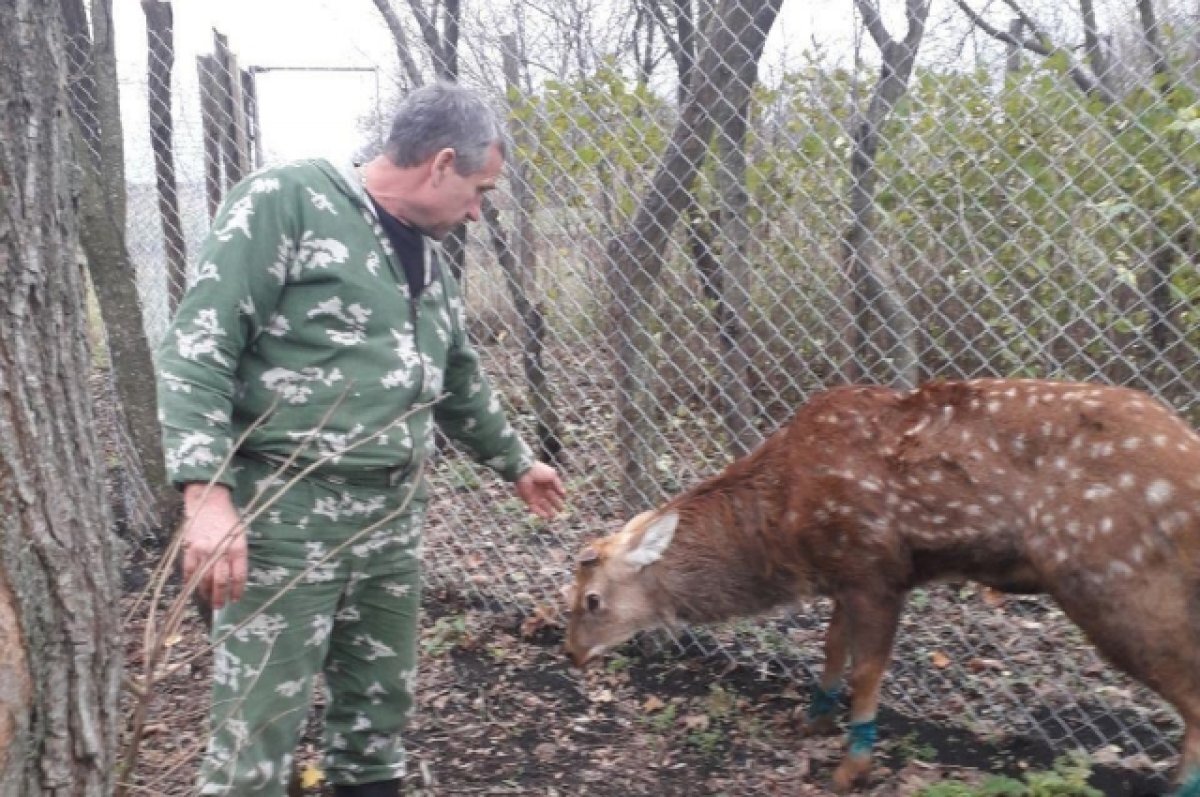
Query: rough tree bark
[[873, 296], [100, 148], [59, 631], [734, 32], [160, 64]]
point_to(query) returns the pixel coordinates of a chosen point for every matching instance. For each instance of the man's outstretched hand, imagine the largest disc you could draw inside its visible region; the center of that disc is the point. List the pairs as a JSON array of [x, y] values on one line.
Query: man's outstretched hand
[[542, 490]]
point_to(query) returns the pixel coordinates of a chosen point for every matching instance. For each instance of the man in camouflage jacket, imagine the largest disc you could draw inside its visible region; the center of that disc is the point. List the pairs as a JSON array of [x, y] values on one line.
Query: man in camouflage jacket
[[320, 337]]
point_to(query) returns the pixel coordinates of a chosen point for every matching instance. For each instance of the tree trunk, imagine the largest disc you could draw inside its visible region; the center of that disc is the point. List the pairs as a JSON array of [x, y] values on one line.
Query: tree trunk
[[874, 299], [160, 64], [60, 637], [732, 123], [210, 112], [1167, 245], [520, 275], [1093, 48], [734, 31], [235, 142], [114, 278]]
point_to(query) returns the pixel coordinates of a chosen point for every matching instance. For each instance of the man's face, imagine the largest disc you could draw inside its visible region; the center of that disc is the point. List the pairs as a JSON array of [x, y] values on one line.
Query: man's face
[[457, 198]]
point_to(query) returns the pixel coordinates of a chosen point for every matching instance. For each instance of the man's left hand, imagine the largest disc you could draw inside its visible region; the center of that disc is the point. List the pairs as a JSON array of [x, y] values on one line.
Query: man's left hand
[[541, 490]]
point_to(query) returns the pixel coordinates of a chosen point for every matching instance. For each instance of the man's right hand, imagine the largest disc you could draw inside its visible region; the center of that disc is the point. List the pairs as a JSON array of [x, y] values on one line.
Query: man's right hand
[[213, 530]]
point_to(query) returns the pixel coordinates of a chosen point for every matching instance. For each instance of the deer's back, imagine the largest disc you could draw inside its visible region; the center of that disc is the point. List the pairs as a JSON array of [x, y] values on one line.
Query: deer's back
[[1015, 483]]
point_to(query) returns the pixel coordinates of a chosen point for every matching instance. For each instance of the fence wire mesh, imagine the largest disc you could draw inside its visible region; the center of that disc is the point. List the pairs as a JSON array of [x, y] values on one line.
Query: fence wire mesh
[[956, 193]]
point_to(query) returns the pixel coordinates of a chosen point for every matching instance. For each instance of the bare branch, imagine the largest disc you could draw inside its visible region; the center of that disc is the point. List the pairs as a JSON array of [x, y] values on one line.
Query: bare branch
[[1033, 45], [430, 34], [401, 41], [1040, 44]]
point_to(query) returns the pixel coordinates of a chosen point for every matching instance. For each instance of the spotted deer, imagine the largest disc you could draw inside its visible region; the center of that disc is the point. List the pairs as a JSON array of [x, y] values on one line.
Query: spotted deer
[[1088, 493]]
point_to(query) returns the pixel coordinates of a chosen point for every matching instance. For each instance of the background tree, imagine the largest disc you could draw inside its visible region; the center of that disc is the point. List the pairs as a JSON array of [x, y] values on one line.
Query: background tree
[[160, 65], [60, 637], [99, 148], [875, 302], [734, 34]]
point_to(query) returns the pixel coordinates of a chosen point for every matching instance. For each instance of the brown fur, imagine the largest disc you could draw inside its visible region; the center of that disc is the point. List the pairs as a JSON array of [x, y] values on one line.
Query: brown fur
[[1088, 493]]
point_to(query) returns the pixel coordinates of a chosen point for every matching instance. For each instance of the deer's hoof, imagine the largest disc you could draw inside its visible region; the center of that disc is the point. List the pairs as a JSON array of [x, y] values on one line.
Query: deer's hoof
[[823, 725], [851, 772]]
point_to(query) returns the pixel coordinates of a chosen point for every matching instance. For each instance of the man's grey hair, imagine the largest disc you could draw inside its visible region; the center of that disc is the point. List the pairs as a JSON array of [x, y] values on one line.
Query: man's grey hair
[[443, 115]]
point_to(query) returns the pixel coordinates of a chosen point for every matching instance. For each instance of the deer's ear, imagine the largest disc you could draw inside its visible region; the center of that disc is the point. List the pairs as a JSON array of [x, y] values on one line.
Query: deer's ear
[[650, 543]]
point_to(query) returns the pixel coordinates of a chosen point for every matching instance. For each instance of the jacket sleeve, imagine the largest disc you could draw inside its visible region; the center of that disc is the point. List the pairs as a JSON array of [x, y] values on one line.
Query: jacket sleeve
[[469, 410], [232, 290]]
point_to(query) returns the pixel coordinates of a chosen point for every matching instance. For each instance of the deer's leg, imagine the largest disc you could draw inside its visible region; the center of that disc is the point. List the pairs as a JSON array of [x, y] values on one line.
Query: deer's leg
[[1151, 632], [872, 618], [821, 717], [1189, 762]]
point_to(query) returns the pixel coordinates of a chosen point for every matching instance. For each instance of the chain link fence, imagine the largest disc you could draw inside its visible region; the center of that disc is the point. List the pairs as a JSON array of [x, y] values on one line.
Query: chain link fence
[[972, 190]]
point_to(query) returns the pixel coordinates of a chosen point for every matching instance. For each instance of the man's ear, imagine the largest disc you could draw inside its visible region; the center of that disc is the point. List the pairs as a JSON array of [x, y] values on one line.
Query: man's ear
[[442, 165], [650, 543]]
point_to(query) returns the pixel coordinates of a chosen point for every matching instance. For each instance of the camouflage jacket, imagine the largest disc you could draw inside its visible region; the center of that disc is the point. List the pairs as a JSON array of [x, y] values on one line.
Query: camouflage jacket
[[297, 305]]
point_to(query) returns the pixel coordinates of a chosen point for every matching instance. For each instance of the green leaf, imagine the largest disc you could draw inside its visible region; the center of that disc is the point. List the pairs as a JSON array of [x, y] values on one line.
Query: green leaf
[[1059, 62]]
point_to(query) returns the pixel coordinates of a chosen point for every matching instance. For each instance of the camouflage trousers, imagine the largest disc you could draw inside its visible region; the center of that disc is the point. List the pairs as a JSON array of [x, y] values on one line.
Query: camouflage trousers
[[352, 614]]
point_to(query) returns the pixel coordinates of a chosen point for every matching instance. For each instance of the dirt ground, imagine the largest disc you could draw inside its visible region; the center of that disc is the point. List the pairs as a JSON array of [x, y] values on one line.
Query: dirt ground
[[503, 713]]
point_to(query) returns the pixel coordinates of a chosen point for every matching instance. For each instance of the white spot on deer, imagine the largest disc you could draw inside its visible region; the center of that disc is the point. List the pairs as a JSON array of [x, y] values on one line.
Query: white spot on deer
[[974, 511], [1104, 449], [1159, 492], [1160, 440], [1098, 491], [994, 407], [934, 476], [1106, 525], [1176, 521], [1131, 443], [1119, 569], [1126, 481]]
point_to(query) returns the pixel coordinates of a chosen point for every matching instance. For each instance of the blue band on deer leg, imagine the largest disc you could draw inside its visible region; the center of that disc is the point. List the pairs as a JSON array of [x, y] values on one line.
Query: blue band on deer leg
[[1189, 786], [823, 702], [862, 737]]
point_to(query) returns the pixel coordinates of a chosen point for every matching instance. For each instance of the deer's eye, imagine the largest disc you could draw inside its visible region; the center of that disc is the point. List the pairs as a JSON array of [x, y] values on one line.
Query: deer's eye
[[593, 602]]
